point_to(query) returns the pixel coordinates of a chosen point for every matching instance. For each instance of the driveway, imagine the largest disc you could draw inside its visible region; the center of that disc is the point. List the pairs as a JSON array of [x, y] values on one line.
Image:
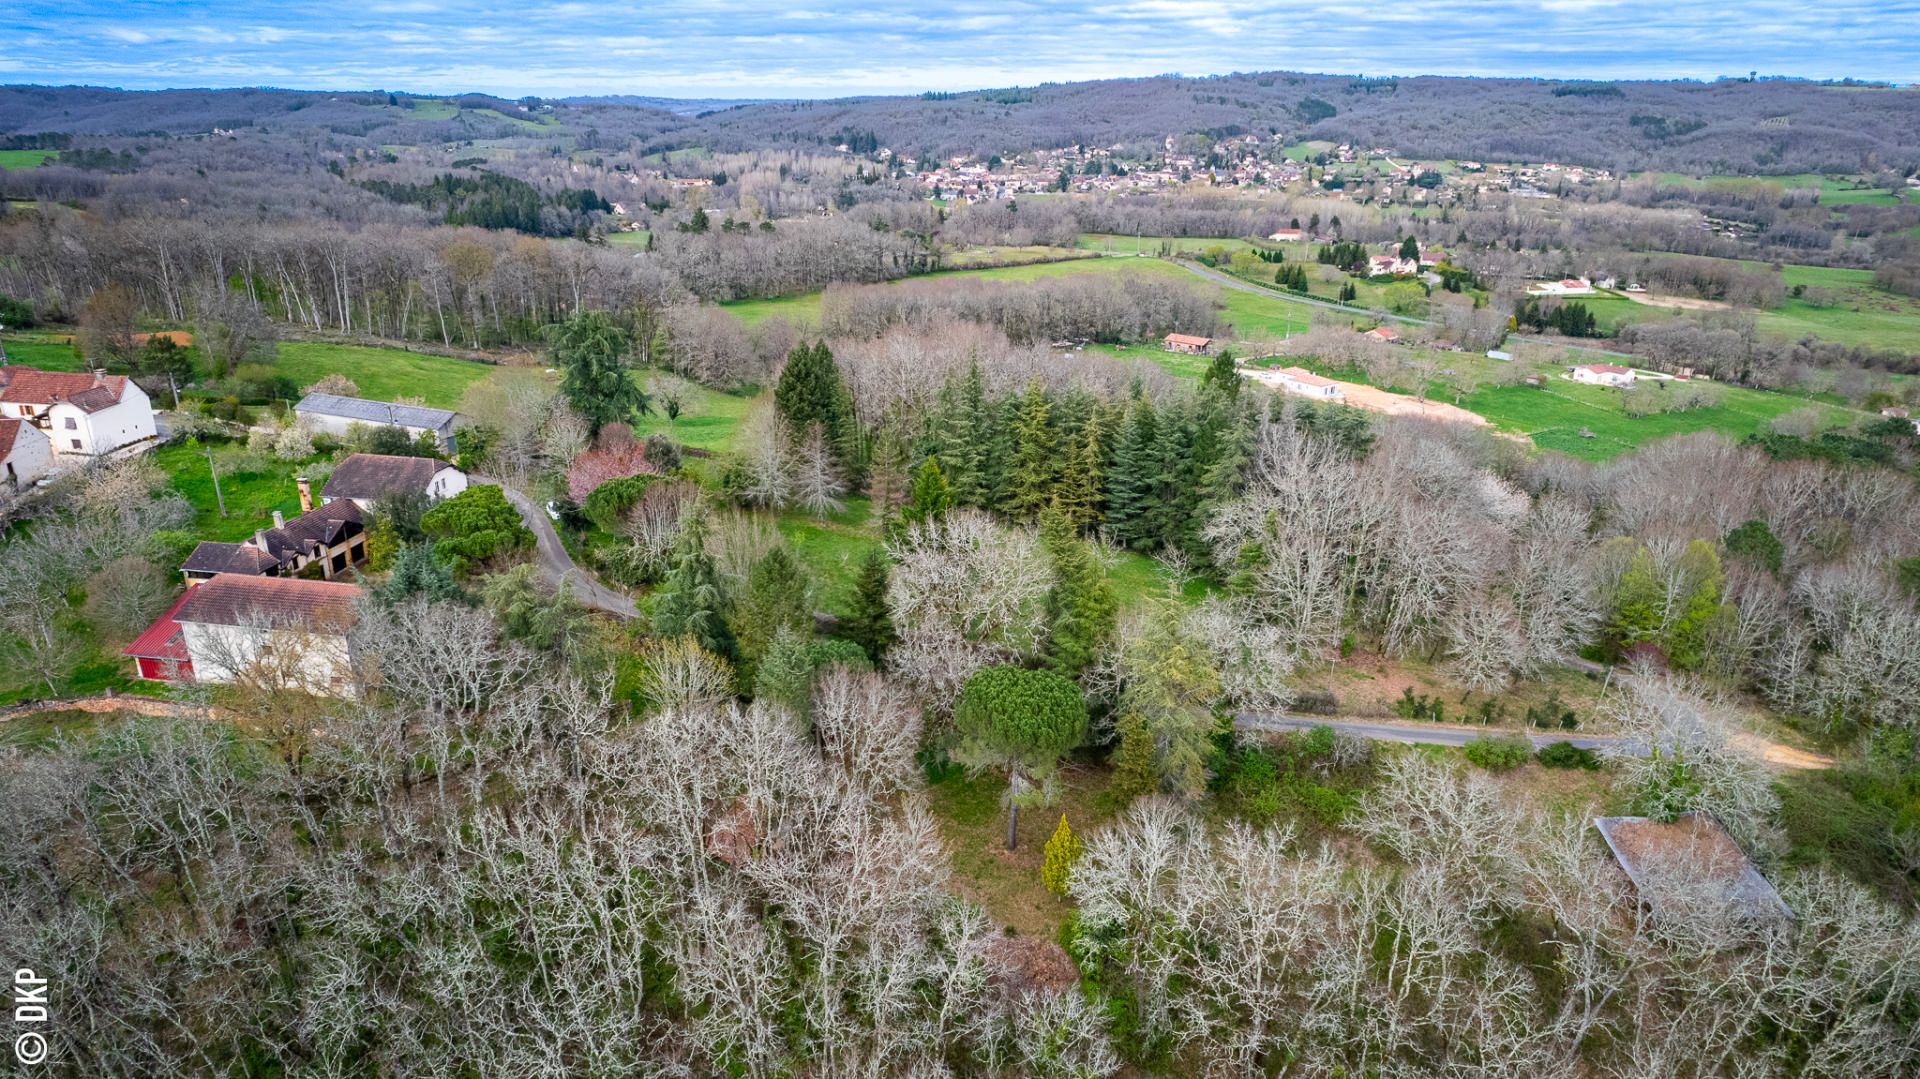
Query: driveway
[[556, 565]]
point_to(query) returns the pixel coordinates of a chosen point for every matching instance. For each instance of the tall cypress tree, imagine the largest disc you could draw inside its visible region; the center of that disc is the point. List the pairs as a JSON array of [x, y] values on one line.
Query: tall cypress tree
[[931, 497], [776, 597], [1078, 494], [1080, 608], [1031, 483], [870, 624]]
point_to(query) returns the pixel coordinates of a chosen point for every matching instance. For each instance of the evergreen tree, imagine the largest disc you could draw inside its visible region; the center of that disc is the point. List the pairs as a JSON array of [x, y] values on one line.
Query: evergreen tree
[[416, 572], [811, 393], [1080, 609], [775, 599], [1410, 249], [785, 675], [1034, 462], [1132, 760], [930, 495], [691, 602], [887, 486], [1132, 481], [966, 438], [1077, 496], [870, 625], [1061, 851], [1222, 377], [589, 350]]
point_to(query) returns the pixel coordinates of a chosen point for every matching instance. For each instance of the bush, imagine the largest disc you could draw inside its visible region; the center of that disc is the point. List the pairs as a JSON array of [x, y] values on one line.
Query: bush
[[1500, 752], [1568, 755], [473, 526], [1421, 707], [1551, 714], [1316, 702], [608, 503]]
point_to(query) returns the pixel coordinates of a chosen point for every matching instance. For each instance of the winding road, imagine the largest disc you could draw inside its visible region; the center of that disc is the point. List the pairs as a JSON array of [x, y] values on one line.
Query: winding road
[[557, 566]]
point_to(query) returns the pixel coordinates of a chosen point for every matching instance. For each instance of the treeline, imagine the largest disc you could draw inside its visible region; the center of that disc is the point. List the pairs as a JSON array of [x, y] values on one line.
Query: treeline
[[489, 200], [1083, 307]]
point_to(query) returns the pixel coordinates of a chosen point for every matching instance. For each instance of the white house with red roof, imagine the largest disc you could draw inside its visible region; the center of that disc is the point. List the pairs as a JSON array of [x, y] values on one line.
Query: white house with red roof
[[83, 414], [26, 454], [282, 632], [1304, 383], [1601, 374], [1566, 286]]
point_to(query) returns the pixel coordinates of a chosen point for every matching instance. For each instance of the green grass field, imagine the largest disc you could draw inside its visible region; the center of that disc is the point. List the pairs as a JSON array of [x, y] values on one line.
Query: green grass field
[[1834, 190], [25, 159], [707, 421], [637, 238], [383, 374], [1116, 244], [251, 496], [44, 351], [1555, 414]]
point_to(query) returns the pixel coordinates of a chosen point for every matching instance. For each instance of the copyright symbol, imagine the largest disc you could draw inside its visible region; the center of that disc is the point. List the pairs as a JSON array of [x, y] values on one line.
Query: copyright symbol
[[30, 1048]]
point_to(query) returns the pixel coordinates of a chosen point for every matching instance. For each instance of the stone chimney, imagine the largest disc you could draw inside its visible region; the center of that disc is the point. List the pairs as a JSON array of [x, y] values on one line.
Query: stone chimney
[[306, 493], [260, 538], [278, 520]]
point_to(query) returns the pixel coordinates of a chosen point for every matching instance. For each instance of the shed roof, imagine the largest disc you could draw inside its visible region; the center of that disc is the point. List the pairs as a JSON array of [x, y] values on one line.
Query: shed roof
[[1187, 339], [1700, 846], [211, 556], [362, 410]]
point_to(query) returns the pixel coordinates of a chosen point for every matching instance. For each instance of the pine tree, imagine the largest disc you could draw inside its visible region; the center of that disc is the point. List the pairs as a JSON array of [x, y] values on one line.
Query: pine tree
[[870, 625], [1222, 377], [931, 498], [1061, 851], [1034, 462], [966, 439], [785, 675], [1132, 760], [589, 349], [887, 485], [690, 602], [775, 599], [416, 572], [1080, 607], [1410, 249]]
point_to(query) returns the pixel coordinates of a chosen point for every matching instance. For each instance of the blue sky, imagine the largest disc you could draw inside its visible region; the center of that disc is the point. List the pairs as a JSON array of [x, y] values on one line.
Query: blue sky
[[827, 48]]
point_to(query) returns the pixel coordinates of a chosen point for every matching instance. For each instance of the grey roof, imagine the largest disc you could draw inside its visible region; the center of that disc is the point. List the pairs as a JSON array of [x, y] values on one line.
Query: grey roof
[[214, 557], [380, 475], [364, 411], [1645, 847]]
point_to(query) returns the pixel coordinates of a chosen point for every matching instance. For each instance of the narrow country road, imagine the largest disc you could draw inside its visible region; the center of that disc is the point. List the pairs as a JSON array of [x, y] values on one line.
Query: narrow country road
[[1237, 284], [556, 565], [1441, 734]]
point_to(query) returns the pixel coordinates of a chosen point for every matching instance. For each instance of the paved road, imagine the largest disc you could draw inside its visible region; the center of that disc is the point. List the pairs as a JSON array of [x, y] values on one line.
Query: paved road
[[556, 565], [1434, 734], [1247, 286]]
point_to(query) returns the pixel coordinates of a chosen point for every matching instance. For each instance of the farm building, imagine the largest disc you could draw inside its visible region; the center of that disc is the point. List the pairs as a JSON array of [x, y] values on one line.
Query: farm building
[[160, 653], [1689, 861], [1288, 236], [26, 454], [1384, 334], [1187, 343], [284, 631], [1566, 286], [1602, 374], [337, 415], [366, 478]]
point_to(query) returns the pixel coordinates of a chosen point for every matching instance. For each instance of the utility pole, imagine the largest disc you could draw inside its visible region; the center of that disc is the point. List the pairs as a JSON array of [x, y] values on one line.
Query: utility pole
[[176, 391], [3, 343], [218, 498]]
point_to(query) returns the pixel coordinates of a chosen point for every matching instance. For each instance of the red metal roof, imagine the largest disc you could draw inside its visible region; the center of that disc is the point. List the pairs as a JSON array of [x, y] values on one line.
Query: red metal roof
[[162, 640]]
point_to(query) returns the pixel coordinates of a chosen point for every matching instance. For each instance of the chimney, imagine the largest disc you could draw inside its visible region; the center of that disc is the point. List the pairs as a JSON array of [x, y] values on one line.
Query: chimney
[[279, 521], [306, 493], [99, 376], [260, 538]]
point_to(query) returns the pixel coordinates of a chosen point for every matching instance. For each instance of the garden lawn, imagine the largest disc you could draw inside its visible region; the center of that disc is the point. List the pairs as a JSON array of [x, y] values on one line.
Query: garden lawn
[[251, 496], [832, 549], [383, 374], [42, 351], [708, 419]]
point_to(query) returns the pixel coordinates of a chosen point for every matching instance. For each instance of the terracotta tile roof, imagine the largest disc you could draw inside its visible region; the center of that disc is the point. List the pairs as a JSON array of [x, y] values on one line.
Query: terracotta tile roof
[[9, 430], [1187, 339], [212, 557], [378, 475], [1306, 377], [31, 386], [1605, 368], [162, 640], [231, 599]]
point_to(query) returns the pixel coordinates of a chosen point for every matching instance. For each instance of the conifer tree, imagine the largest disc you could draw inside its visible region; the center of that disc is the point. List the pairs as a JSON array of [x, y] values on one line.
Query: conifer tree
[[1077, 496], [1132, 480], [690, 602], [887, 484], [1061, 851], [811, 393], [1034, 462], [966, 438], [870, 625], [1132, 760], [785, 673], [1080, 608], [1222, 377], [930, 498], [775, 599]]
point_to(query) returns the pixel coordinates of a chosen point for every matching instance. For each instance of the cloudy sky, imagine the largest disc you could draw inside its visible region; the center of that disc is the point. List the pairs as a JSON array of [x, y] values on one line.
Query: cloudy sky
[[826, 48]]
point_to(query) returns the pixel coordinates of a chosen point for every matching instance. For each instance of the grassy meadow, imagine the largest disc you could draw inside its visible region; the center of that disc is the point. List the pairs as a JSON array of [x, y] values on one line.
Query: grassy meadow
[[25, 159]]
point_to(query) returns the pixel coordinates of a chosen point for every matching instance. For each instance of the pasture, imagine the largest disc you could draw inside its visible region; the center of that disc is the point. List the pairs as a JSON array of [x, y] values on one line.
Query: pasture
[[383, 374], [25, 159]]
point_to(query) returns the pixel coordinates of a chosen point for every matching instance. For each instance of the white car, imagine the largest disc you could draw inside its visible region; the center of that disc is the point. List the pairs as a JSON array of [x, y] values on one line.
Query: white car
[[553, 510]]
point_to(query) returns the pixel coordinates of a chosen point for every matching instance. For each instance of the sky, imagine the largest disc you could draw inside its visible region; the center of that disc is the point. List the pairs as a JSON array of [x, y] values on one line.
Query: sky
[[834, 48]]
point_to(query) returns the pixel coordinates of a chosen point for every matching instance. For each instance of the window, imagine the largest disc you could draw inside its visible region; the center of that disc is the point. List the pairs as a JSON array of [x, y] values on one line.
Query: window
[[76, 443], [72, 424]]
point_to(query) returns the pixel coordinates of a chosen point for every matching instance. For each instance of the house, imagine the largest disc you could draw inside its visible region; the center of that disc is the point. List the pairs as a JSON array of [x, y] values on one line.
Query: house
[[85, 415], [328, 539], [1297, 380], [1383, 334], [1288, 236], [1187, 343], [26, 453], [160, 653], [1496, 354], [366, 478], [1691, 860], [1602, 374], [1380, 265], [279, 631], [1566, 286], [337, 415]]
